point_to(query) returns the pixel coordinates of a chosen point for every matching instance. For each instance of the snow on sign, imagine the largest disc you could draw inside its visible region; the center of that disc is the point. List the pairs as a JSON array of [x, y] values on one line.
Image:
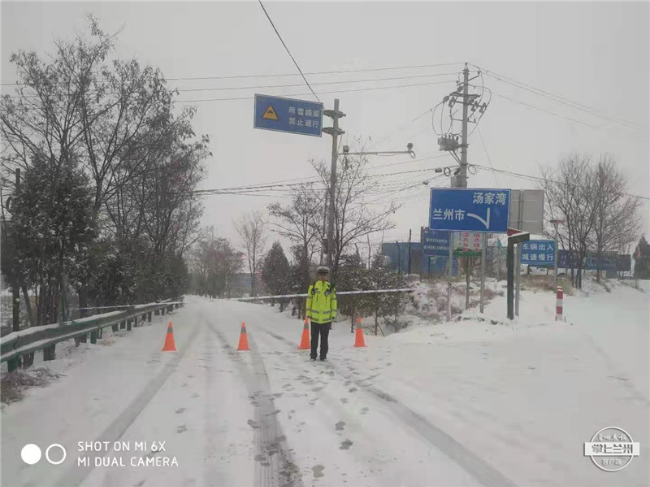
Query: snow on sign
[[288, 115], [465, 209], [538, 252]]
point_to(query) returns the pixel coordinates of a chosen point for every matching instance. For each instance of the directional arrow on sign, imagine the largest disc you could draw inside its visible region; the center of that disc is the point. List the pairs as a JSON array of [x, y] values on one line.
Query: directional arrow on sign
[[484, 222]]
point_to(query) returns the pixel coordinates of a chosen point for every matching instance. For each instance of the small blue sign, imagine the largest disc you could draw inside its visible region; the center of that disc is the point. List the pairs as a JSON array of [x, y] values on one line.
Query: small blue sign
[[538, 253], [288, 115], [465, 209], [435, 242], [609, 261]]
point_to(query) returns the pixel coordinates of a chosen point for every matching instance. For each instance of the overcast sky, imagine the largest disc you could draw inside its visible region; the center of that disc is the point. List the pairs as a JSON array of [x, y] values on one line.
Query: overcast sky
[[596, 54]]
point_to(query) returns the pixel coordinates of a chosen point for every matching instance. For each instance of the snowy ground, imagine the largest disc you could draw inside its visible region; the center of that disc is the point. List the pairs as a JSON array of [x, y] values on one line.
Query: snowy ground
[[461, 403]]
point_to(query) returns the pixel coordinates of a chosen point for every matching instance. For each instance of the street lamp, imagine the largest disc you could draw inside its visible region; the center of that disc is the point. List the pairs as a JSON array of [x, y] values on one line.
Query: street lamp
[[555, 224]]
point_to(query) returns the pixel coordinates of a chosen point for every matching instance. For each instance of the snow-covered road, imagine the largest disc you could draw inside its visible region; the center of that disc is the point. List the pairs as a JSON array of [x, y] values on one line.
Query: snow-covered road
[[458, 404]]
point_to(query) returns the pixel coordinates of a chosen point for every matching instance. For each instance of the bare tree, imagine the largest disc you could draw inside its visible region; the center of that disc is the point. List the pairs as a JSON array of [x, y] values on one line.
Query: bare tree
[[570, 197], [356, 213], [252, 231], [299, 222], [617, 221]]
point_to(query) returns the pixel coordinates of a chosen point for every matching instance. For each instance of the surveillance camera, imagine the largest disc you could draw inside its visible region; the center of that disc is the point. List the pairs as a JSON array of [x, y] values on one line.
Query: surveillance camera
[[409, 146], [346, 149]]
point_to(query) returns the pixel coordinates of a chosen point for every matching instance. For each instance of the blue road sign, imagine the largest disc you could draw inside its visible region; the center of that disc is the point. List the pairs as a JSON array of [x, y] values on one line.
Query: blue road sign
[[288, 115], [465, 209], [435, 242], [538, 252]]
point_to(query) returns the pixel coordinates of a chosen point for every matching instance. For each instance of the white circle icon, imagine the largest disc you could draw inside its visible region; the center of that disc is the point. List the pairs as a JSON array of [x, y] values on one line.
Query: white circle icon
[[47, 454], [30, 454]]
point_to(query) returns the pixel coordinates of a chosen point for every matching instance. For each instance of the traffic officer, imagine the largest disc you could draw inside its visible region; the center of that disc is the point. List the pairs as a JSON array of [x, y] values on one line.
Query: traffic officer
[[321, 310]]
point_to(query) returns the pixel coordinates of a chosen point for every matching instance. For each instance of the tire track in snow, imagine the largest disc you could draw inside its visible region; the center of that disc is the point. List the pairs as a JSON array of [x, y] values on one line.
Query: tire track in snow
[[75, 475], [483, 472], [275, 465]]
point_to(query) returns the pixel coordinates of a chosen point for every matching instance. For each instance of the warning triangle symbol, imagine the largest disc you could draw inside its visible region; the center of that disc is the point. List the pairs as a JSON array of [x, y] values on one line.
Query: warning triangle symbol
[[270, 114]]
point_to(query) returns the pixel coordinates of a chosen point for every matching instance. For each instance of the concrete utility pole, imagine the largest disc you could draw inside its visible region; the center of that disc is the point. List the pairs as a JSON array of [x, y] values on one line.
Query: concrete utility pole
[[334, 131], [463, 147]]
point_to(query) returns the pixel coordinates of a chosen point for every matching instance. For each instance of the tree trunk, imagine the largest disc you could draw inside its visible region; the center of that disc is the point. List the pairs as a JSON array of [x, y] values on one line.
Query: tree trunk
[[15, 306], [28, 305], [376, 322]]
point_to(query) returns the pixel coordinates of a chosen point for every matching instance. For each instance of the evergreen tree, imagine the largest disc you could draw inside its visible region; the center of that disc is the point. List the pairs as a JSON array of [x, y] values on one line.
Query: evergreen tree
[[275, 271], [642, 259], [53, 222], [353, 276]]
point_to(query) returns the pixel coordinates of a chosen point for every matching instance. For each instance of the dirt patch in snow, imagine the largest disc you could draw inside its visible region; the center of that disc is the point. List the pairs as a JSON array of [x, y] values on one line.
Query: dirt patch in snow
[[14, 384]]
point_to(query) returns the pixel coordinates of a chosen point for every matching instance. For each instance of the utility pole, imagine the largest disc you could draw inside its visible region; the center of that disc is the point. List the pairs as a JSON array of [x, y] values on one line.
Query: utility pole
[[409, 267], [334, 131], [322, 249], [463, 147]]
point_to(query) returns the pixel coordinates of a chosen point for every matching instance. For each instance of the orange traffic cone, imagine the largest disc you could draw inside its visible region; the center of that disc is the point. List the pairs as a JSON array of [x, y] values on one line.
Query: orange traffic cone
[[304, 342], [243, 338], [170, 345], [358, 339]]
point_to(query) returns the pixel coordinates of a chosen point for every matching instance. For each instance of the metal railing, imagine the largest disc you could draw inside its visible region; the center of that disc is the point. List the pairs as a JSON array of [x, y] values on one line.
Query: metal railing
[[19, 347]]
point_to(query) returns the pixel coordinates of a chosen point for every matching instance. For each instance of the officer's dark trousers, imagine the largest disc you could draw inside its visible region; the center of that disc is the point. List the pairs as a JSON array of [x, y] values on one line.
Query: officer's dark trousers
[[322, 329]]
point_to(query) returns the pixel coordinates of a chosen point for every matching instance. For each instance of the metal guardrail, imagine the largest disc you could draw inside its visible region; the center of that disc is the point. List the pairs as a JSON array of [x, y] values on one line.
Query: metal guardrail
[[23, 344], [342, 293]]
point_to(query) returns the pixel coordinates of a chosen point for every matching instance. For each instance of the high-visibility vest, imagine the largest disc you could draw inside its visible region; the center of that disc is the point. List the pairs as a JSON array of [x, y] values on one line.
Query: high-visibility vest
[[321, 302]]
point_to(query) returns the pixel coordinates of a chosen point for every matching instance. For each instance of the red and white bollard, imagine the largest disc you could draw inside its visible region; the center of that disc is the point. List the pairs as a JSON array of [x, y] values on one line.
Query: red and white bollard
[[558, 305]]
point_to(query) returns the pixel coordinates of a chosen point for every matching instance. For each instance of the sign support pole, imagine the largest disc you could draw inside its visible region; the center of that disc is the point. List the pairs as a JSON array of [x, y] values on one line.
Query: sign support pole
[[517, 277], [483, 255], [450, 269], [517, 238]]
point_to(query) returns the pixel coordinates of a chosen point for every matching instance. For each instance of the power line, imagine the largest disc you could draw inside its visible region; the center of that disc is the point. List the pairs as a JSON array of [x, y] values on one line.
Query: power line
[[287, 49], [537, 178], [488, 157], [557, 98], [391, 134], [249, 97], [544, 110], [396, 78], [315, 73]]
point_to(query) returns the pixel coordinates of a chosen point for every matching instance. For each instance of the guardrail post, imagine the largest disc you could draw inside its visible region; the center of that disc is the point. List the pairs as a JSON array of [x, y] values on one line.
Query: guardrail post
[[149, 316], [28, 360], [13, 364], [128, 324], [83, 338], [49, 353], [100, 333], [163, 311], [115, 327], [122, 325], [93, 337], [156, 312]]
